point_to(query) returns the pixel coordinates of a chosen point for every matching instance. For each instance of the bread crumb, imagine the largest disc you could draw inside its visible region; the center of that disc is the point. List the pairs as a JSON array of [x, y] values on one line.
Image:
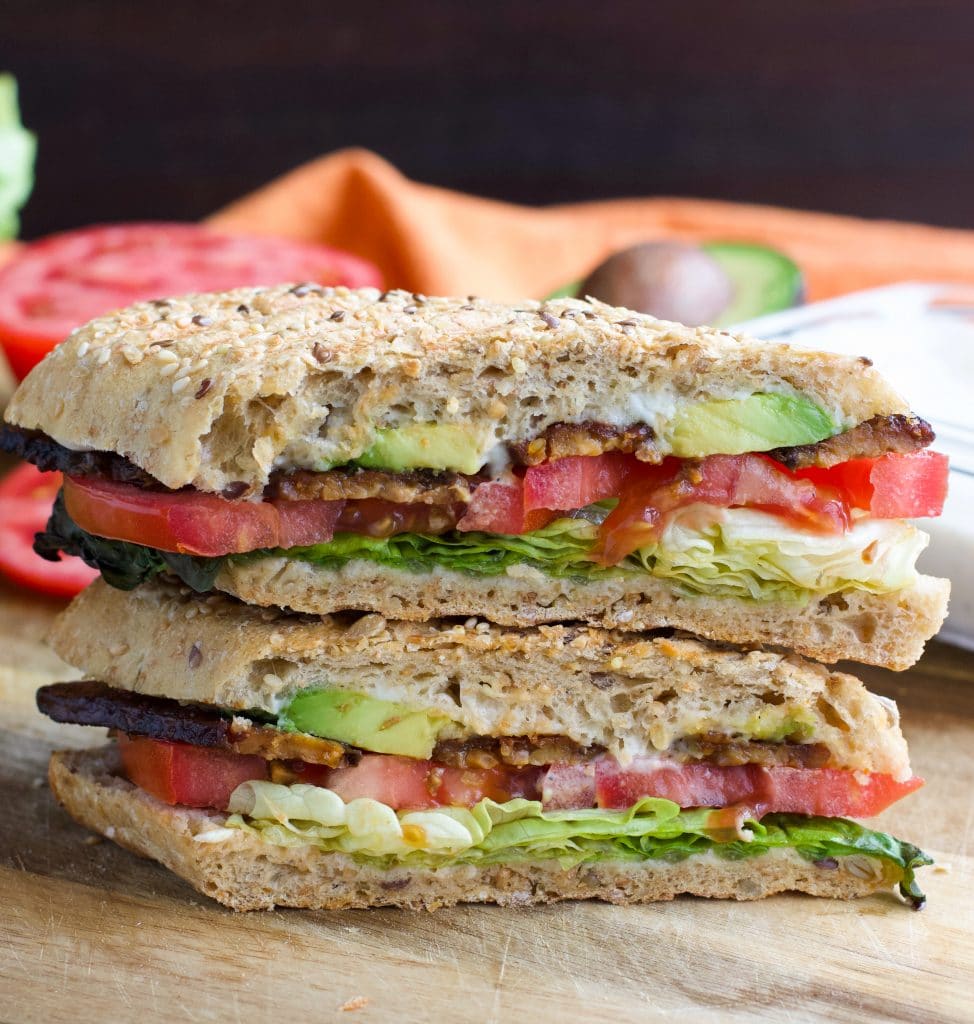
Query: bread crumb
[[358, 1003], [942, 869], [91, 840]]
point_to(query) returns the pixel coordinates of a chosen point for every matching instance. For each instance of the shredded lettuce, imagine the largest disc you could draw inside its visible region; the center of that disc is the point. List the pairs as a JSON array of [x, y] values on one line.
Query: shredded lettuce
[[490, 833], [745, 553]]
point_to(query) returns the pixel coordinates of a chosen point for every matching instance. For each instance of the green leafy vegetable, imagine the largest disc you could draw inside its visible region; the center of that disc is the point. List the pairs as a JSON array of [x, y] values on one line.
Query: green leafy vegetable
[[123, 565], [17, 150], [560, 549], [490, 833]]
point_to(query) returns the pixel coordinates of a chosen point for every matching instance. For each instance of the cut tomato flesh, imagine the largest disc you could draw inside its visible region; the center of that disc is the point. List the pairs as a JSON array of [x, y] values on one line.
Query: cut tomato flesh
[[58, 283], [578, 480], [26, 495], [194, 523], [722, 481], [180, 773], [909, 486], [829, 792], [499, 508], [407, 784]]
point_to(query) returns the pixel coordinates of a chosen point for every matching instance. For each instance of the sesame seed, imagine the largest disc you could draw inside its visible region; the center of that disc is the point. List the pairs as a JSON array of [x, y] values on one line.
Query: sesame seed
[[205, 385], [626, 323], [132, 355], [104, 354], [195, 656], [243, 308], [180, 385], [518, 365], [338, 315], [183, 371], [83, 349], [202, 321], [320, 352], [165, 356], [409, 309]]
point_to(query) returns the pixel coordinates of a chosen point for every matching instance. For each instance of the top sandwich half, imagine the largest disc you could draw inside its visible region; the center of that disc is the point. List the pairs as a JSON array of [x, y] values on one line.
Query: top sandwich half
[[323, 449]]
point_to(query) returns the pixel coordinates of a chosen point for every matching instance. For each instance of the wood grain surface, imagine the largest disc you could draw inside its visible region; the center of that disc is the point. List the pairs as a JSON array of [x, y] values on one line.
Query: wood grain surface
[[90, 933]]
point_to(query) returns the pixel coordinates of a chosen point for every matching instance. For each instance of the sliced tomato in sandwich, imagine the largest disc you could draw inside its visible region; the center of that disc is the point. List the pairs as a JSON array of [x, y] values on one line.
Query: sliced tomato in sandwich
[[180, 773], [195, 523]]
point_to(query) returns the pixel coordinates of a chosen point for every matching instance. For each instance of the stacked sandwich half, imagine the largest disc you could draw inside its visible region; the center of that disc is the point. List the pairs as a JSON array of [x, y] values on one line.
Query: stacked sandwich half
[[413, 600]]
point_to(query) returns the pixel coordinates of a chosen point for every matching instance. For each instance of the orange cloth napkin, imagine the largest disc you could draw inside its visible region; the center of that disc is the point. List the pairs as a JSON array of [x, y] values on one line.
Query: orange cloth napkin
[[436, 241]]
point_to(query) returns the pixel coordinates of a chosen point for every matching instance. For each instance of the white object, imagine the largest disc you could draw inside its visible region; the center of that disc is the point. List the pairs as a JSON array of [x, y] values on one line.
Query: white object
[[921, 338]]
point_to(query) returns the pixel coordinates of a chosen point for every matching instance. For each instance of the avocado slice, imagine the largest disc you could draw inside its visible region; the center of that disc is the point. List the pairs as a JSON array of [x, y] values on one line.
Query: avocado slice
[[456, 446], [757, 423], [382, 726]]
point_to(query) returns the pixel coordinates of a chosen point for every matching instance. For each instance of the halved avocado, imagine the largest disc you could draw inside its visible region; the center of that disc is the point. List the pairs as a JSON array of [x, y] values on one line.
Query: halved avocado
[[456, 446], [757, 423], [383, 726]]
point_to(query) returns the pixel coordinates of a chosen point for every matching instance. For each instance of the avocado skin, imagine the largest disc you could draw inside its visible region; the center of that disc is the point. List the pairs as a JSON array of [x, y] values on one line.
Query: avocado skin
[[382, 726], [757, 423], [454, 446]]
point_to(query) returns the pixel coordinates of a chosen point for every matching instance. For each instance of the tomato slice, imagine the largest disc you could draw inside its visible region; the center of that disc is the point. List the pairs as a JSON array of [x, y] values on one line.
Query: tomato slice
[[499, 508], [829, 792], [180, 773], [195, 523], [578, 480], [53, 285], [408, 784], [26, 495], [908, 486], [722, 481]]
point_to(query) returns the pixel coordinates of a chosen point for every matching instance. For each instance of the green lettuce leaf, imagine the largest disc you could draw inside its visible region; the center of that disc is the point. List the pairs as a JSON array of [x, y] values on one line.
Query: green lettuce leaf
[[491, 833], [18, 148], [123, 565], [560, 549]]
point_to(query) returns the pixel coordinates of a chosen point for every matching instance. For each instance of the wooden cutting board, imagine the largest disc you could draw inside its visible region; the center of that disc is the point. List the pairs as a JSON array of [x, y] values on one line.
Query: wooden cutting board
[[90, 933]]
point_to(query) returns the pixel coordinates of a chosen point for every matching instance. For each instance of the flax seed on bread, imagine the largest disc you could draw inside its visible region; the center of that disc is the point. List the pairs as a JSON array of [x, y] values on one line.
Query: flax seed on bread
[[629, 693], [243, 872], [219, 389]]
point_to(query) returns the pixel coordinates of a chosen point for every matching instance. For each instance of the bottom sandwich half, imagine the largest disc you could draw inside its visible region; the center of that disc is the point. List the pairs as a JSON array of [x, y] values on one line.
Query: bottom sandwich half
[[341, 762]]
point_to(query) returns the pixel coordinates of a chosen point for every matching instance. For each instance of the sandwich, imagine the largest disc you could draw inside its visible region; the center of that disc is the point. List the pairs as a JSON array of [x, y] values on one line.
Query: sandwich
[[411, 601], [325, 450], [349, 760]]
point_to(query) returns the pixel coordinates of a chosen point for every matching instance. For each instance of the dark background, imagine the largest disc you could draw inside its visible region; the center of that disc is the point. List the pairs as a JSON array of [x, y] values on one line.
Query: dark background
[[169, 110]]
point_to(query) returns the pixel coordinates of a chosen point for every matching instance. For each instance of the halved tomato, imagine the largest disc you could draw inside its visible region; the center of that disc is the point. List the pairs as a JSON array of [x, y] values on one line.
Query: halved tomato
[[180, 773], [26, 496], [195, 523], [58, 283], [909, 486], [829, 792]]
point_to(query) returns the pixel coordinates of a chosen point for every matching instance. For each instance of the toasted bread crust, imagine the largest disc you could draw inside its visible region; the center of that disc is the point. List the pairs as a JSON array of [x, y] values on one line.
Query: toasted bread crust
[[629, 693], [216, 390], [245, 873], [877, 629]]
